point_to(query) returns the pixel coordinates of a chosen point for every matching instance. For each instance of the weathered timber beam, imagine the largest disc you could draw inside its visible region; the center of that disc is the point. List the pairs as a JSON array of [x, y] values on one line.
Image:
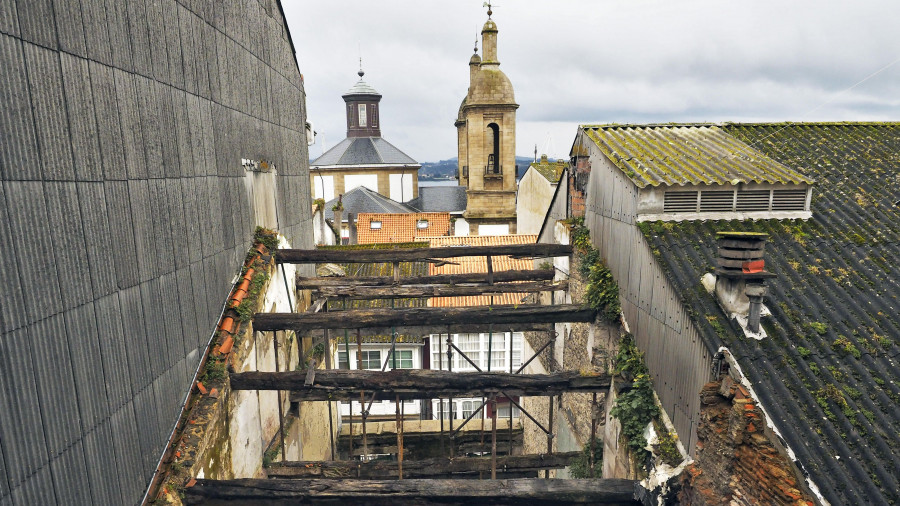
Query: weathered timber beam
[[364, 318], [425, 468], [439, 279], [298, 256], [415, 491], [424, 330], [342, 384], [420, 291]]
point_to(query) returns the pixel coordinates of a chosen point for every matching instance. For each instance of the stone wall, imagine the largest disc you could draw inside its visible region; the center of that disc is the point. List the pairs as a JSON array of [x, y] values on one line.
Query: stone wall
[[736, 462]]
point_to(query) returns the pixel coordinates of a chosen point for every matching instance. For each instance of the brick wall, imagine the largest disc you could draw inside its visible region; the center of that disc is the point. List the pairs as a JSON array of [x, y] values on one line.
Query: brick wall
[[736, 462]]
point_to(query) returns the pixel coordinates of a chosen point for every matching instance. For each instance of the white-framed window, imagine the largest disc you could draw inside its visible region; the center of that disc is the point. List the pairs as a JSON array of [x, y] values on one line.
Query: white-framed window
[[375, 225], [343, 363], [503, 410], [362, 115], [404, 359], [422, 224], [467, 408], [476, 347], [371, 359]]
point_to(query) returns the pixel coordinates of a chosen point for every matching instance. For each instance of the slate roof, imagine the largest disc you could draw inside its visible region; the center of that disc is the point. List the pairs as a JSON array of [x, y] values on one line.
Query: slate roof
[[363, 151], [361, 88], [828, 372], [432, 199], [364, 200], [687, 154], [400, 228], [479, 264]]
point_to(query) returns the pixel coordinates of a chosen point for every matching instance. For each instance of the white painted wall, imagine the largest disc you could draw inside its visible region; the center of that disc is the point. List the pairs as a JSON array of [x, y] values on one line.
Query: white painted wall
[[493, 229], [460, 227], [370, 181], [401, 187], [532, 201], [324, 187]]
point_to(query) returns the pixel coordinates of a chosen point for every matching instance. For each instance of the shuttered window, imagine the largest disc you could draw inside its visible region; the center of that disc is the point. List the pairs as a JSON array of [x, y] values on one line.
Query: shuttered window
[[753, 200]]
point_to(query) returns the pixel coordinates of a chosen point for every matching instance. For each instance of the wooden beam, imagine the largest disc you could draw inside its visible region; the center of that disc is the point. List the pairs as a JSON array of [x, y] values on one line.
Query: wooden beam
[[365, 318], [426, 468], [440, 279], [425, 330], [301, 256], [416, 491], [342, 384], [420, 291]]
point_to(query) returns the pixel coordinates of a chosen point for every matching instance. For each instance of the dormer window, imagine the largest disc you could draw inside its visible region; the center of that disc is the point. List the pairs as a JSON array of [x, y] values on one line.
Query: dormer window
[[422, 224], [375, 225], [362, 115]]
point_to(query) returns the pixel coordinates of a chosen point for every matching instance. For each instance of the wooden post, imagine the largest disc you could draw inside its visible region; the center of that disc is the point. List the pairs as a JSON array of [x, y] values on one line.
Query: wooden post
[[493, 438], [550, 435], [490, 270], [399, 440], [362, 396], [450, 369], [280, 408]]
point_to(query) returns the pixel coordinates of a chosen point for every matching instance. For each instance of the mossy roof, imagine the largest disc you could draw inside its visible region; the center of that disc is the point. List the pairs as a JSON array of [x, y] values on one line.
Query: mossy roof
[[551, 171], [654, 155], [828, 372]]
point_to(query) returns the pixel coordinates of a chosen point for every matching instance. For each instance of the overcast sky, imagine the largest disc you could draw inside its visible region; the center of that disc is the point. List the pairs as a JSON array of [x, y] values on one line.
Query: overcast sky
[[590, 61]]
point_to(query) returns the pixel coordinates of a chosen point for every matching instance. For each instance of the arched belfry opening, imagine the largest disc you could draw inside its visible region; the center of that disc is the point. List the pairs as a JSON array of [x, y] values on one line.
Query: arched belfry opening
[[493, 143]]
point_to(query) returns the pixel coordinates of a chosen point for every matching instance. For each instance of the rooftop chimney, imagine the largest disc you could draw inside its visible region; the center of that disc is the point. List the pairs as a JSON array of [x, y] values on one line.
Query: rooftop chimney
[[741, 275]]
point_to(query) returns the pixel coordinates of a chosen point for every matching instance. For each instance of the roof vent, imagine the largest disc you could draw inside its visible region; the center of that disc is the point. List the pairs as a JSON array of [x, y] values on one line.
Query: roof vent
[[741, 275], [789, 200], [680, 202]]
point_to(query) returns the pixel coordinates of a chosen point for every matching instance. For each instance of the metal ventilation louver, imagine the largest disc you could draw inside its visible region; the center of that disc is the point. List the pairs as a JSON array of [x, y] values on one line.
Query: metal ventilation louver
[[753, 200], [680, 202], [716, 200], [789, 200]]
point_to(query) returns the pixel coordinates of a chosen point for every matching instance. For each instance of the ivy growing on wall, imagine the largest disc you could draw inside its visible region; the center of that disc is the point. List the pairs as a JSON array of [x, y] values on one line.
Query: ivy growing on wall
[[636, 407], [601, 290]]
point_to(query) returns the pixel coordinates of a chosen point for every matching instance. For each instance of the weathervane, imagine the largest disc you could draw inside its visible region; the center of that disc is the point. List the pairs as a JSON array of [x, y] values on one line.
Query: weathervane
[[476, 42], [360, 73], [488, 5]]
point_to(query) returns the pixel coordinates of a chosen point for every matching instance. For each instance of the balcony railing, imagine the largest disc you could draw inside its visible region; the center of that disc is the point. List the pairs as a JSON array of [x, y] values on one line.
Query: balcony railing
[[493, 170]]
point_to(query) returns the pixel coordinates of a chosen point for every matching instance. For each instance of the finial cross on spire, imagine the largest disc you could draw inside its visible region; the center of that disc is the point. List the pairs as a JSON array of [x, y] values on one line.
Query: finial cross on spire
[[360, 73], [488, 5], [476, 42]]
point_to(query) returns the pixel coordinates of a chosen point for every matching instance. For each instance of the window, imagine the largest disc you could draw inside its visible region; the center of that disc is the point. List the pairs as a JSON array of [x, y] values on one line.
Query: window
[[404, 359], [375, 225], [374, 115], [371, 360], [503, 411], [467, 408], [343, 363], [422, 224], [362, 115]]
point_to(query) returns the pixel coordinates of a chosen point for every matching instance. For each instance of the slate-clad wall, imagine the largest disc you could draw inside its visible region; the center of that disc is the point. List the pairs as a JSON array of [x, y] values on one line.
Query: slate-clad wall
[[123, 218], [677, 357]]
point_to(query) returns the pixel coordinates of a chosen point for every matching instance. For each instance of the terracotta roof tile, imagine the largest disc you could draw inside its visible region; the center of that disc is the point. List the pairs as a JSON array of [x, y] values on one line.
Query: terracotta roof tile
[[479, 264], [400, 227]]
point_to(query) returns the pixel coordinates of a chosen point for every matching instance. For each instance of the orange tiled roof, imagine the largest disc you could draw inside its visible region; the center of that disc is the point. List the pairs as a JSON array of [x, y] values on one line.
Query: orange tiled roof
[[400, 227], [479, 264]]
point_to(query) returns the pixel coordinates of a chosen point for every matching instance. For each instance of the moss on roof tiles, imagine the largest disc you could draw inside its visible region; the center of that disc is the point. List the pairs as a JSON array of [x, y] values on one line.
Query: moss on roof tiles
[[687, 154], [827, 373]]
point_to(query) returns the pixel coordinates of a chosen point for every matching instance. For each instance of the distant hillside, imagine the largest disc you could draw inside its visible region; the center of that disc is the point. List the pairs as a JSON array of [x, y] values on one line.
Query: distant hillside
[[446, 169]]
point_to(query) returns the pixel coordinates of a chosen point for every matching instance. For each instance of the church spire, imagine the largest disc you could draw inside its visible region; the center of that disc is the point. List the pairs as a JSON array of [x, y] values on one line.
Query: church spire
[[489, 38]]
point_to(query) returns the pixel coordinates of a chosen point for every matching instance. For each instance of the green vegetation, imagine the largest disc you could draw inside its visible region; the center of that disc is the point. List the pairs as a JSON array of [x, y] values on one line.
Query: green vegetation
[[819, 327], [581, 466], [804, 352], [214, 370], [668, 447], [635, 408], [601, 290], [843, 346], [268, 238]]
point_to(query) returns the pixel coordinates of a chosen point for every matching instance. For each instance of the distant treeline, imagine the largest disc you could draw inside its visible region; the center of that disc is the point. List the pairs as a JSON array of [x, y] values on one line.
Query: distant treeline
[[446, 169]]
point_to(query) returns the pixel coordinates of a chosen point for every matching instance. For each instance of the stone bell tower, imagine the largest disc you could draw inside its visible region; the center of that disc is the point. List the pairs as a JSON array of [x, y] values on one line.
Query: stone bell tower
[[486, 132]]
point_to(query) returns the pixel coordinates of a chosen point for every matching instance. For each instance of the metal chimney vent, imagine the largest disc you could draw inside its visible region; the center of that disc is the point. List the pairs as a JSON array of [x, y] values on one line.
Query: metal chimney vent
[[741, 274]]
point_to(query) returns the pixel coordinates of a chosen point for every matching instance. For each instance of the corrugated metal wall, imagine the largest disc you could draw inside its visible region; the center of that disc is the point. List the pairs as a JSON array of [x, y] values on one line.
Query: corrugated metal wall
[[123, 217], [678, 359]]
